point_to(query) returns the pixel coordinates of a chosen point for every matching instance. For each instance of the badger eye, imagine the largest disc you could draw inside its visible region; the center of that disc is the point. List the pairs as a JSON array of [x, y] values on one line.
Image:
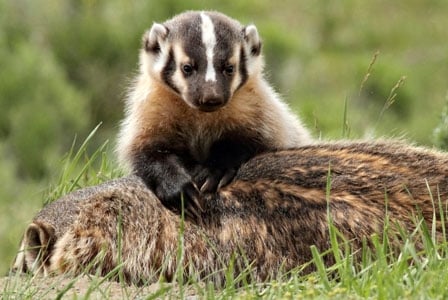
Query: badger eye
[[187, 69], [228, 70]]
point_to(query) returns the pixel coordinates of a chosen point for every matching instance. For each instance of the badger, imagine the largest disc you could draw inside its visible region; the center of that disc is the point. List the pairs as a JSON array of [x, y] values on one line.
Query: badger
[[200, 107], [361, 188]]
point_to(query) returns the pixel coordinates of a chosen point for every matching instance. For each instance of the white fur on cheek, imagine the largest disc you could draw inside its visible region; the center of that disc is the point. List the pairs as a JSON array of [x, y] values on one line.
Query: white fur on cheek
[[161, 59], [209, 40], [178, 79], [235, 61]]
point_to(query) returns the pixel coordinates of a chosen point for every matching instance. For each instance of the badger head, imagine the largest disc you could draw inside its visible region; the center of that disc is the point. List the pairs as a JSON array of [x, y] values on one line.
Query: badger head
[[204, 57]]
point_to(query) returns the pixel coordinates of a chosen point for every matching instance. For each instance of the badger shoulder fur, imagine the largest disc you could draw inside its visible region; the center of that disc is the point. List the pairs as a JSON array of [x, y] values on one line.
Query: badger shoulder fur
[[200, 107]]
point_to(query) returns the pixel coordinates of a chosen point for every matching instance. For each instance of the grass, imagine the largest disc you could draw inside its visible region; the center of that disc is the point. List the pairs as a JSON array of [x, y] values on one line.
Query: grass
[[380, 273], [411, 43], [380, 276], [79, 169]]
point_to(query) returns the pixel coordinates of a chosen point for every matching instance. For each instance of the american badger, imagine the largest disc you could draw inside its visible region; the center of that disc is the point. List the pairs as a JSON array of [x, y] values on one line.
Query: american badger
[[268, 216], [200, 107]]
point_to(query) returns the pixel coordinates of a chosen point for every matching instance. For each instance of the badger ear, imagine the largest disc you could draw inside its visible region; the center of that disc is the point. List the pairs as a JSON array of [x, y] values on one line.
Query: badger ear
[[252, 39], [38, 243], [153, 37]]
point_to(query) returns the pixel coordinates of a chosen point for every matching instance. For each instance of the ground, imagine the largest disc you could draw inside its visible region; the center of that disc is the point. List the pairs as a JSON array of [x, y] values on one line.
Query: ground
[[91, 287]]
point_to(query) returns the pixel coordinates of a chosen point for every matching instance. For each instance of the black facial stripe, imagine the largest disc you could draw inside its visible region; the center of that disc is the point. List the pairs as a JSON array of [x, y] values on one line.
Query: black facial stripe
[[243, 69], [188, 31], [168, 71], [191, 37], [226, 37]]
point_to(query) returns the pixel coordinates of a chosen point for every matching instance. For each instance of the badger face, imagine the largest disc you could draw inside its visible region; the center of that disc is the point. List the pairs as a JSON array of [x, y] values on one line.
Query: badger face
[[204, 57]]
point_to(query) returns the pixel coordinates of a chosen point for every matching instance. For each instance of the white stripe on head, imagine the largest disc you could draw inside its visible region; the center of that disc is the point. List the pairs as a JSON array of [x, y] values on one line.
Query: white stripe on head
[[209, 40]]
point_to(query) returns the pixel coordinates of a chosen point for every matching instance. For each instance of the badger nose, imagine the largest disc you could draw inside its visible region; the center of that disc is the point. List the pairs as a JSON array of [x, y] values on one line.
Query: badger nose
[[211, 101], [211, 104]]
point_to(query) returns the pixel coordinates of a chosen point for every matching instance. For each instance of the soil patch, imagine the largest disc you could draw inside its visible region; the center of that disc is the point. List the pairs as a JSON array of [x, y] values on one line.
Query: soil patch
[[91, 287]]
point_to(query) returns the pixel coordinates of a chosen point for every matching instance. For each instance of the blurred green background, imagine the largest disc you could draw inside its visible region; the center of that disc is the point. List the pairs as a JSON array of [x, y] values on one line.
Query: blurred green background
[[65, 66]]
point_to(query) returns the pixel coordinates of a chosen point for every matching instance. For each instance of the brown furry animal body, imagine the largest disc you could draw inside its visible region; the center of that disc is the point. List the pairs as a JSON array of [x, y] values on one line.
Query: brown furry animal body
[[200, 107], [272, 212]]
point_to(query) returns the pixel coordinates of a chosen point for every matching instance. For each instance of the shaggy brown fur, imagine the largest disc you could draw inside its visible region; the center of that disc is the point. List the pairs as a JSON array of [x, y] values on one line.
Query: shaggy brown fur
[[273, 211], [185, 134]]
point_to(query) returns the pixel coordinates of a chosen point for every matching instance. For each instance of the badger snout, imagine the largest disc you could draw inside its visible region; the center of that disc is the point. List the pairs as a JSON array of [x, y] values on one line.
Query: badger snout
[[211, 99], [211, 103]]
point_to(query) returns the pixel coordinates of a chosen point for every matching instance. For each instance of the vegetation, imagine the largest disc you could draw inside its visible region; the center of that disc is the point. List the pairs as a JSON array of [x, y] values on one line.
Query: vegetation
[[350, 69], [381, 273]]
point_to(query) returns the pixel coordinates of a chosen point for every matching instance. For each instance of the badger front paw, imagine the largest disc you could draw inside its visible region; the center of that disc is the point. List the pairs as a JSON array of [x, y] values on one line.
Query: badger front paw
[[171, 196], [211, 180], [168, 176]]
